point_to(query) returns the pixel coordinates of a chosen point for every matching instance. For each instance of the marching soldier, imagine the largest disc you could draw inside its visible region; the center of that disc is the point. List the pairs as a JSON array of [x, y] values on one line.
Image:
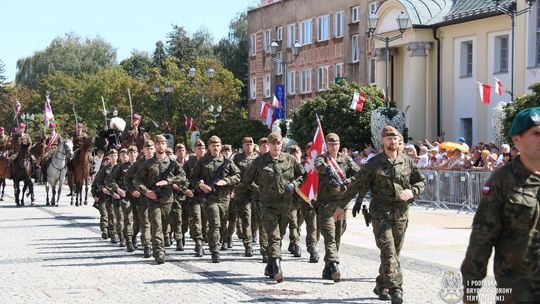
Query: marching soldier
[[154, 180], [179, 220], [277, 175], [233, 220], [295, 216], [335, 171], [100, 198], [214, 175], [508, 221], [393, 181], [118, 203], [256, 213], [313, 231]]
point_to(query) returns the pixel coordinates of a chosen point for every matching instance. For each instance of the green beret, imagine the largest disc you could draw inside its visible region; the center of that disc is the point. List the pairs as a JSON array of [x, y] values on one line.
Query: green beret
[[524, 120]]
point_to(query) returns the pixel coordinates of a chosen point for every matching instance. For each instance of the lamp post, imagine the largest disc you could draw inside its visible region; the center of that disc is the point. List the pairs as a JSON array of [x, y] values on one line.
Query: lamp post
[[215, 112], [513, 13], [210, 73], [168, 90], [296, 49], [402, 21]]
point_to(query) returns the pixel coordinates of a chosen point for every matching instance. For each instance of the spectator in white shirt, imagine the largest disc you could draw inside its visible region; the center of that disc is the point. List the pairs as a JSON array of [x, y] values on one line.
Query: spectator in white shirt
[[423, 158]]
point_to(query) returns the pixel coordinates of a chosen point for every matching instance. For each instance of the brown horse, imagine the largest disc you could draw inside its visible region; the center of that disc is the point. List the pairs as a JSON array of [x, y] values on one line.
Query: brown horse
[[5, 173], [80, 170], [38, 151], [21, 170]]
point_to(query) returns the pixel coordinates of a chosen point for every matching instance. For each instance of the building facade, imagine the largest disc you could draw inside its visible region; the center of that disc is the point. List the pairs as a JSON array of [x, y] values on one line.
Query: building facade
[[334, 46]]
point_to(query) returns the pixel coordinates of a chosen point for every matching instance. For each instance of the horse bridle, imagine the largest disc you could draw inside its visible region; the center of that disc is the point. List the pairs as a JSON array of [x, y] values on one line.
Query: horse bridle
[[60, 152]]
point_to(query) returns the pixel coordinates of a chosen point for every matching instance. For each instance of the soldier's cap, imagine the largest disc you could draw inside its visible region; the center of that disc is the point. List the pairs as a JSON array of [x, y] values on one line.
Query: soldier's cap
[[106, 157], [179, 147], [112, 151], [22, 125], [149, 143], [214, 140], [389, 131], [169, 151], [132, 149], [332, 137], [294, 149], [199, 143], [52, 125], [123, 150], [263, 140], [247, 139], [226, 148], [524, 120], [80, 125], [15, 130], [274, 138], [160, 138], [136, 117]]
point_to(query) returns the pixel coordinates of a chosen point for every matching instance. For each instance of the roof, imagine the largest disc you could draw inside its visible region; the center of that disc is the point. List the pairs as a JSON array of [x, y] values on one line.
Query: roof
[[426, 12], [472, 9]]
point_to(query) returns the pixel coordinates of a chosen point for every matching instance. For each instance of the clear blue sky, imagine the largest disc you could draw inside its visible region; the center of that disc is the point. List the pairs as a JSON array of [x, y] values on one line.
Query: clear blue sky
[[28, 26]]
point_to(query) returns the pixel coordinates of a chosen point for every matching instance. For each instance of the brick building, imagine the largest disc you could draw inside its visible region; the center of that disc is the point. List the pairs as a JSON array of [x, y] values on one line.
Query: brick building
[[334, 45]]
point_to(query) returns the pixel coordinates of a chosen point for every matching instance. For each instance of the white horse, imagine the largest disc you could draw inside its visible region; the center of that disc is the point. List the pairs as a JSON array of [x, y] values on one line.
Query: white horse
[[56, 170]]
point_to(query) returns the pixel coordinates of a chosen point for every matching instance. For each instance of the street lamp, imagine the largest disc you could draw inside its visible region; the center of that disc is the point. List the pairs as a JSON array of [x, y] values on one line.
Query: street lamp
[[402, 21], [210, 73], [168, 90], [513, 13], [296, 49], [215, 112]]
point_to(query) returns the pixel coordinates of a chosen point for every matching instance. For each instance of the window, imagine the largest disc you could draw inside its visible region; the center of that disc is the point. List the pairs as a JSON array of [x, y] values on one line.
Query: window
[[373, 6], [371, 70], [323, 78], [279, 66], [252, 44], [323, 28], [279, 33], [355, 51], [291, 35], [291, 83], [253, 88], [267, 91], [338, 24], [306, 33], [338, 70], [501, 54], [305, 81], [267, 39], [466, 59], [355, 14], [467, 129]]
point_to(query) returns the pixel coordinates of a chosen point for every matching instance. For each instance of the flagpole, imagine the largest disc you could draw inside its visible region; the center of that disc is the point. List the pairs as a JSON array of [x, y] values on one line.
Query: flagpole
[[104, 110], [74, 113], [130, 106]]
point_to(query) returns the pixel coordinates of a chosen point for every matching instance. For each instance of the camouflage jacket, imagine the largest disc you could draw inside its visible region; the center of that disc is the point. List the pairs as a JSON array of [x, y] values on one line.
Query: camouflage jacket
[[507, 220], [385, 179], [243, 163], [271, 176], [149, 174], [115, 180], [328, 192], [207, 166], [99, 180], [130, 175], [188, 167]]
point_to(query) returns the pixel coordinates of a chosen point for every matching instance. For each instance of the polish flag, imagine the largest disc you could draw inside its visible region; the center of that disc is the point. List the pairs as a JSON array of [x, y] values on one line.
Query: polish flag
[[47, 110], [190, 123], [264, 109], [308, 190], [498, 87], [270, 118], [275, 102], [357, 102], [485, 92]]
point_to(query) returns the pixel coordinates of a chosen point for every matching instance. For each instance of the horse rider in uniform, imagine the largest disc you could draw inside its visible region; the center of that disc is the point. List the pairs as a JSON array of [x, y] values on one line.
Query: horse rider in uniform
[[52, 144], [136, 133], [4, 142]]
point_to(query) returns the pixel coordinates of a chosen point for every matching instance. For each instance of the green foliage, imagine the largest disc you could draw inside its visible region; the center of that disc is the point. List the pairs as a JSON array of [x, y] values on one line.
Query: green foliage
[[159, 56], [522, 102], [233, 126], [138, 65], [203, 44], [179, 45], [332, 106], [70, 55], [2, 72]]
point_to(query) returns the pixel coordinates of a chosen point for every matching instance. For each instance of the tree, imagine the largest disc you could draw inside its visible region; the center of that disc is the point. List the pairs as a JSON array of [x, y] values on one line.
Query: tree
[[159, 56], [203, 44], [234, 126], [70, 55], [2, 72], [179, 45], [522, 102], [332, 106], [138, 65]]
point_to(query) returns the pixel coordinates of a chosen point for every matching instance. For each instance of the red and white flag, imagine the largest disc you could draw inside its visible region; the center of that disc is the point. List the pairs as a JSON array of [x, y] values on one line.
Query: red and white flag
[[275, 102], [357, 102], [264, 109], [308, 190], [190, 123], [485, 92], [270, 118], [17, 106], [498, 87], [47, 110]]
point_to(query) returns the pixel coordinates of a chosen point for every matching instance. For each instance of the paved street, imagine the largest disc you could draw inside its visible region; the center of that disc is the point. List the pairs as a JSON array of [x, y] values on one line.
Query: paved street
[[56, 255]]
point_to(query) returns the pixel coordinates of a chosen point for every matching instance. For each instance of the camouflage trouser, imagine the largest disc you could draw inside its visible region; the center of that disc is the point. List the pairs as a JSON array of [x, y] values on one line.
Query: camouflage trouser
[[103, 215], [178, 220], [118, 218], [294, 225], [389, 230], [217, 212], [195, 226], [233, 218], [131, 219], [244, 212], [313, 232], [144, 223], [110, 216], [204, 224], [331, 230], [258, 222], [275, 217], [158, 214]]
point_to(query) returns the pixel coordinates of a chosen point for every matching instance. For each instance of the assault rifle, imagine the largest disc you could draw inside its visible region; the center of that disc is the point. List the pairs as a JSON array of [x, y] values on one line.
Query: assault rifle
[[158, 189], [214, 178]]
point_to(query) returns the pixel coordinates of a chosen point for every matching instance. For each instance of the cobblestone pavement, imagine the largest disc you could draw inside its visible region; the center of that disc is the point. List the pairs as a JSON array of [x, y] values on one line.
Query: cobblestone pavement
[[56, 255]]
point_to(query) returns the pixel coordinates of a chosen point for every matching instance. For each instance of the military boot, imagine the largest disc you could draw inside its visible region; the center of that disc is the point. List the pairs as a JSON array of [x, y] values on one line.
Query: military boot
[[334, 272], [224, 246], [314, 257], [167, 242], [290, 248], [135, 242], [297, 251], [249, 251], [276, 271], [122, 242], [326, 273], [104, 234], [265, 258], [160, 257], [382, 293], [114, 239], [199, 252], [215, 257], [147, 252], [397, 296], [229, 244], [180, 245], [268, 271], [129, 246]]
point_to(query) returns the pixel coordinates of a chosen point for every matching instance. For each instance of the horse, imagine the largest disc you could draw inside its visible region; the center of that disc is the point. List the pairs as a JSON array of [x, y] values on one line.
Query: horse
[[56, 170], [21, 170], [38, 151], [5, 173], [81, 169]]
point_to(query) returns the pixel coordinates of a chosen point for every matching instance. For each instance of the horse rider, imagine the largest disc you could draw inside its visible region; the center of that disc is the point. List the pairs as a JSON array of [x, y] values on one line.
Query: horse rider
[[4, 142], [52, 144], [23, 140], [135, 132], [114, 133], [78, 136]]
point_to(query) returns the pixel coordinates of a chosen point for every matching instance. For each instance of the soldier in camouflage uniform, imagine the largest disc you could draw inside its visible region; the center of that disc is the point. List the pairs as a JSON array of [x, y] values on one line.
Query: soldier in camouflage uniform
[[154, 179], [243, 195], [106, 198], [276, 174], [214, 175], [256, 211], [100, 198], [335, 171], [393, 181], [136, 199], [295, 215], [179, 220], [507, 220]]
